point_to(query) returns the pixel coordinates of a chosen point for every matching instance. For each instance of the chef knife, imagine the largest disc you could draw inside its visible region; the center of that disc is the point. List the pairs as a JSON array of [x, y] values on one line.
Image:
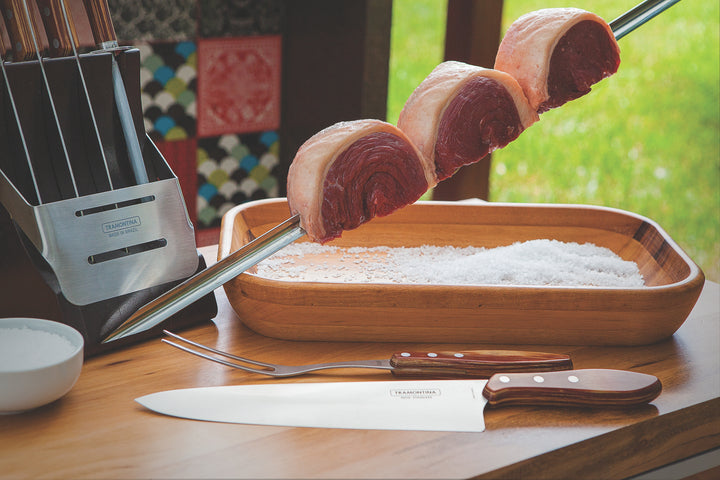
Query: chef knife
[[439, 405]]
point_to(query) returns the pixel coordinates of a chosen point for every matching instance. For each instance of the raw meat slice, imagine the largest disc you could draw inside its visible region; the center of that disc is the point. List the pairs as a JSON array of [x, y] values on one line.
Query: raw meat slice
[[461, 112], [351, 172], [556, 54]]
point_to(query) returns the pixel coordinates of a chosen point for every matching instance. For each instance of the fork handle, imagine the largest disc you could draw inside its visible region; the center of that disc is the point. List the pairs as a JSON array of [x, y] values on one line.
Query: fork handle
[[476, 363]]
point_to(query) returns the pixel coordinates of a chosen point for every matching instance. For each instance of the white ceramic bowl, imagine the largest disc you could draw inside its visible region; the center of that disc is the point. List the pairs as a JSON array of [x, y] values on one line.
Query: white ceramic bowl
[[40, 362]]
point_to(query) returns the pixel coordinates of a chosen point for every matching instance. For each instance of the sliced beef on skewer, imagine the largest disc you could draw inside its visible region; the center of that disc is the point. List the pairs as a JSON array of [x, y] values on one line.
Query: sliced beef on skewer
[[351, 172], [461, 112], [557, 54]]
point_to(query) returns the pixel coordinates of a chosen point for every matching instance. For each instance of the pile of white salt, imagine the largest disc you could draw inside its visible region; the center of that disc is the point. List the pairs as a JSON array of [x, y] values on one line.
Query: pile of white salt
[[530, 263], [25, 348]]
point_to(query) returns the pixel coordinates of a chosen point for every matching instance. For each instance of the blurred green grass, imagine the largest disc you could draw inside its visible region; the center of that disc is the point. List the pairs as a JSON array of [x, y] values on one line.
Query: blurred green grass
[[646, 140]]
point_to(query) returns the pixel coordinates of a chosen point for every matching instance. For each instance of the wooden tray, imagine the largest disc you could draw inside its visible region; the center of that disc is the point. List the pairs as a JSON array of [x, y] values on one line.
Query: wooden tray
[[478, 314]]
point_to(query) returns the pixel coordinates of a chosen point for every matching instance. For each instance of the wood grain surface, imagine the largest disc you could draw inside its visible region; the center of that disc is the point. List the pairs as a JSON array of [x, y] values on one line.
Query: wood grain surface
[[586, 387], [61, 39], [475, 363], [335, 311], [98, 431], [21, 29], [101, 24]]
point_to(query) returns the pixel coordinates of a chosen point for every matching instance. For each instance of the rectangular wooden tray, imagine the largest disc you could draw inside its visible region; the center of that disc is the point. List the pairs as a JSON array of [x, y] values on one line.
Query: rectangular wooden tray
[[549, 315]]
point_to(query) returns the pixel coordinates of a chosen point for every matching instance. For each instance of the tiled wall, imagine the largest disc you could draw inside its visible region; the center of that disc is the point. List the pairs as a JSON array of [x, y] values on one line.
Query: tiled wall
[[211, 89]]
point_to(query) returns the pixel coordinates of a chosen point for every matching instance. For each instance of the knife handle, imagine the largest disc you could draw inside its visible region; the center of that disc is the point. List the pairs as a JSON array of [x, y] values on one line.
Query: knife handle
[[2, 48], [101, 24], [476, 363], [20, 29], [591, 387], [60, 39]]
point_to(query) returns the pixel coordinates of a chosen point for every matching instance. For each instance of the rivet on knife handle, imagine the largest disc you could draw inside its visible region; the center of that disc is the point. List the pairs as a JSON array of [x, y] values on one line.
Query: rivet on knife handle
[[59, 38], [19, 29], [476, 364], [587, 387]]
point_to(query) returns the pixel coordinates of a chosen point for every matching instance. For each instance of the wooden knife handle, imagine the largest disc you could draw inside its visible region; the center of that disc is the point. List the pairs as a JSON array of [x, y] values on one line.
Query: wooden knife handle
[[591, 387], [60, 39], [101, 24], [19, 29], [475, 363], [2, 47]]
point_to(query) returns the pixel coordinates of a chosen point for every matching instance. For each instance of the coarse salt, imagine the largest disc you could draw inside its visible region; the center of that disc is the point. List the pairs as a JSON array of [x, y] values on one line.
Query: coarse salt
[[540, 262], [24, 348]]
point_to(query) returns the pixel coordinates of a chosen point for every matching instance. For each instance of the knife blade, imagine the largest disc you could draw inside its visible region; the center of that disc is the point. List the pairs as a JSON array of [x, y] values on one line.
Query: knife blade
[[429, 405]]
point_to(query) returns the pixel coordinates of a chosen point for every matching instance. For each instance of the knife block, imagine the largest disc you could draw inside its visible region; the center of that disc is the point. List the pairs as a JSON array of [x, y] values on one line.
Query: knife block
[[80, 243]]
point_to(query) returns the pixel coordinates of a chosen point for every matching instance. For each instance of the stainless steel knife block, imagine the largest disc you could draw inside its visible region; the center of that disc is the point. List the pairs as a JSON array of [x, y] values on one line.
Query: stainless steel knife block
[[93, 258]]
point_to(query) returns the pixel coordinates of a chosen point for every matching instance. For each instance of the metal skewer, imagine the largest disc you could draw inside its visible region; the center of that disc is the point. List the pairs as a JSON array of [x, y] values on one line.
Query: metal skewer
[[637, 16], [209, 279], [287, 232]]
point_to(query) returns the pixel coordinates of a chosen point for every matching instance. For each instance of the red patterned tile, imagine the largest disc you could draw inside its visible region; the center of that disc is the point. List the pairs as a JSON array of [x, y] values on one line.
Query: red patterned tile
[[238, 85], [182, 158]]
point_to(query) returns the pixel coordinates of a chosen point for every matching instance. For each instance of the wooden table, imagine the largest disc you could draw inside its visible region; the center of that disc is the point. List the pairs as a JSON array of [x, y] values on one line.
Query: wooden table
[[98, 431]]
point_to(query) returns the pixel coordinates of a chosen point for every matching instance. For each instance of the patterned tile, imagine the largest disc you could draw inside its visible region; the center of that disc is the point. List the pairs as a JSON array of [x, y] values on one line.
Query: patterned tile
[[233, 169], [211, 89], [136, 20], [221, 18], [168, 79], [239, 85]]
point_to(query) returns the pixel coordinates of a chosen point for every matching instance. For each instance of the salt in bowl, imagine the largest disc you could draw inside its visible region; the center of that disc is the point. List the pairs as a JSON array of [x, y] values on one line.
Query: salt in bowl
[[40, 361]]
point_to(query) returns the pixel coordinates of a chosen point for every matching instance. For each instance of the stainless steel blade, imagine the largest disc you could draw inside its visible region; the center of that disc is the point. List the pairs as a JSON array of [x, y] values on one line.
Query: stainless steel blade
[[442, 405], [209, 279]]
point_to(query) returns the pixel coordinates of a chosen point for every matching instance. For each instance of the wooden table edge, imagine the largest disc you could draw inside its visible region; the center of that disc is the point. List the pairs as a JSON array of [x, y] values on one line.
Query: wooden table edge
[[627, 451]]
